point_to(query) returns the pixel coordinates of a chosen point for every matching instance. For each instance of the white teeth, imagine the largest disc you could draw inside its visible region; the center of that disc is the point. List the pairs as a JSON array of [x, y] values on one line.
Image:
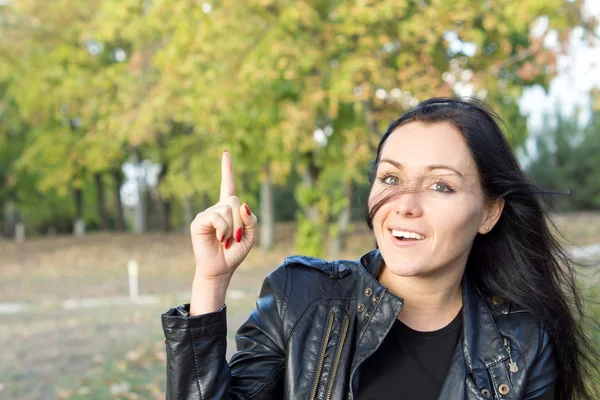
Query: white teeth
[[408, 235]]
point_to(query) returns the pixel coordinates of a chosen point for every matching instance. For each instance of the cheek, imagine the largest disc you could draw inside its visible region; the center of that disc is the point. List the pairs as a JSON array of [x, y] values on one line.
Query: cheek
[[457, 217], [380, 215], [375, 197], [375, 194]]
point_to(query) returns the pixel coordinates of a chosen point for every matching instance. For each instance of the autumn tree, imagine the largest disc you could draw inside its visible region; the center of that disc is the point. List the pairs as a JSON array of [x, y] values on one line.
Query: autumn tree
[[288, 86], [348, 68]]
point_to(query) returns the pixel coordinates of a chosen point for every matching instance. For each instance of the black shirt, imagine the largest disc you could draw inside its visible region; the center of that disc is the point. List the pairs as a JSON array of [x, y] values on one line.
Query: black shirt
[[409, 364]]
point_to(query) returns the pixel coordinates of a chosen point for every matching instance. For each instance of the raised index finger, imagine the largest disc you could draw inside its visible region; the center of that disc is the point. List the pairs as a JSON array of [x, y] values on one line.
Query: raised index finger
[[227, 179]]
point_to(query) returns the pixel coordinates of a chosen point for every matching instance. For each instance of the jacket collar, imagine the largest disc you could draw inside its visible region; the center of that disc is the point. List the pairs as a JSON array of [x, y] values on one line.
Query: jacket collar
[[377, 307], [482, 344]]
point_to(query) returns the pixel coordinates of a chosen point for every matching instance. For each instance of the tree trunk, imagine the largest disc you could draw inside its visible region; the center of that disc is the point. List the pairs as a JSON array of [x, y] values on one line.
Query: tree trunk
[[339, 241], [206, 202], [188, 201], [309, 180], [267, 219], [163, 205], [19, 227], [311, 225], [79, 228], [167, 220], [10, 220], [2, 216], [14, 223], [188, 212], [100, 192], [150, 207], [120, 216], [20, 232], [139, 225], [51, 231], [163, 208]]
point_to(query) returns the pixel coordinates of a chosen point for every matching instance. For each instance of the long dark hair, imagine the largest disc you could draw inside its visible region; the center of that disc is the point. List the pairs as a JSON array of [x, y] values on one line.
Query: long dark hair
[[525, 262]]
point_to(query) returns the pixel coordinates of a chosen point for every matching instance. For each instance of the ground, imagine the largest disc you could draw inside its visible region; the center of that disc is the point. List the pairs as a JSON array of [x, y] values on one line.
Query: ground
[[116, 351]]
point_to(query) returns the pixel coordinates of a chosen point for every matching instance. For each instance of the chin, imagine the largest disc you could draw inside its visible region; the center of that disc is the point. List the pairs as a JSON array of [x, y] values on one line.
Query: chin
[[403, 265], [406, 271]]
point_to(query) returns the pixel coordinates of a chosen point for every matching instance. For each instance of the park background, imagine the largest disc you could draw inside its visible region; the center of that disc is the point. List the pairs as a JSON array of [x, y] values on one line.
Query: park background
[[114, 115]]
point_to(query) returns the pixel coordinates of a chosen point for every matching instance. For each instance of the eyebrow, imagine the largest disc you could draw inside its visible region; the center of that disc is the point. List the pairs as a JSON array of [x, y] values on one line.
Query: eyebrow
[[429, 167]]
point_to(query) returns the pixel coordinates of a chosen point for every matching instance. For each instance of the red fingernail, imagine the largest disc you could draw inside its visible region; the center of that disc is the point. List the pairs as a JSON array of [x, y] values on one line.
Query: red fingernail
[[223, 238], [228, 243], [224, 151], [238, 235], [247, 209]]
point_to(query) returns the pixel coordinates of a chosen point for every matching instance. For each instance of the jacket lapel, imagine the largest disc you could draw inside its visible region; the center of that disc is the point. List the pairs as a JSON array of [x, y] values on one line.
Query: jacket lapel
[[377, 317], [481, 340], [481, 347], [481, 344]]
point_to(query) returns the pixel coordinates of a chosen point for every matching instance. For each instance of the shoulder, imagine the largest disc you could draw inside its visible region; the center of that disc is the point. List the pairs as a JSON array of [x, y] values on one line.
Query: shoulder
[[510, 317], [333, 269], [336, 270], [526, 336], [303, 279], [313, 272], [513, 320]]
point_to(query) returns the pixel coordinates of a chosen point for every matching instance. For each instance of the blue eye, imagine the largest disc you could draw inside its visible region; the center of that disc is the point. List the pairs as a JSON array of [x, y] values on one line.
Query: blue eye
[[390, 180], [441, 187]]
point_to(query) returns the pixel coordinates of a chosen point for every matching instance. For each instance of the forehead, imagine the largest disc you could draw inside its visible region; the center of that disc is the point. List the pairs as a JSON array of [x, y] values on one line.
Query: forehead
[[416, 145]]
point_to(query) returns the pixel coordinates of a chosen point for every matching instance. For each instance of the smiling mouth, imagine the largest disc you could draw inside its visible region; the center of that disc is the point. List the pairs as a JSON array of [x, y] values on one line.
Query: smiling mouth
[[406, 235]]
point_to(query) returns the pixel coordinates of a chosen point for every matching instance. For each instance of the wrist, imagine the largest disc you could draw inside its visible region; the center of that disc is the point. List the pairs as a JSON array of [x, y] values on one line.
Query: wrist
[[208, 294], [210, 282]]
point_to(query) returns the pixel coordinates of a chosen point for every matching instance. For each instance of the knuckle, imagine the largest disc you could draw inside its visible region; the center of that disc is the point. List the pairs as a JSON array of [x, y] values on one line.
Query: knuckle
[[197, 220], [223, 209]]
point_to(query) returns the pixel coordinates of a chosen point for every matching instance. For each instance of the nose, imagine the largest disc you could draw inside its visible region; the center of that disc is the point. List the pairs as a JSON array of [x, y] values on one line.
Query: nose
[[409, 204]]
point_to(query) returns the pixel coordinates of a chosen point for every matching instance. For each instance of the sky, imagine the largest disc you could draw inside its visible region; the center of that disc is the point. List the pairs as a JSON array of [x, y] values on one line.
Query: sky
[[578, 72]]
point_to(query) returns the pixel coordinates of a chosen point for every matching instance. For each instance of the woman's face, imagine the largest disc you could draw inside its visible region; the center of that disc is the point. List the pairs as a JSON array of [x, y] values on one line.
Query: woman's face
[[428, 230]]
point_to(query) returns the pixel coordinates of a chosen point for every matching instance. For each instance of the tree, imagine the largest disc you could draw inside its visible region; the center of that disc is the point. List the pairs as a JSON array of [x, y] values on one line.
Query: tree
[[567, 160], [12, 129], [302, 87], [43, 59], [355, 66]]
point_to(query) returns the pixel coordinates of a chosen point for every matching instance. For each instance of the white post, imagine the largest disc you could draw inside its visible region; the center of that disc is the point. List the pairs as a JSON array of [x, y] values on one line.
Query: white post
[[133, 273]]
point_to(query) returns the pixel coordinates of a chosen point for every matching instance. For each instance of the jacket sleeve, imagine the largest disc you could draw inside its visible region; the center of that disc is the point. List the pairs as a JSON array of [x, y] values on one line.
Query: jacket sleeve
[[196, 349], [542, 370]]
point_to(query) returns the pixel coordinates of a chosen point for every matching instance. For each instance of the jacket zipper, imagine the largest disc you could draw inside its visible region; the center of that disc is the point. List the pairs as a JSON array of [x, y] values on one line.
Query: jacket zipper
[[512, 365], [322, 359], [337, 357]]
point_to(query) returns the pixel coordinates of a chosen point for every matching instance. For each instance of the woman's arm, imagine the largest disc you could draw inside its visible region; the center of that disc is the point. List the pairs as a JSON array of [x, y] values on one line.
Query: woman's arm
[[197, 345]]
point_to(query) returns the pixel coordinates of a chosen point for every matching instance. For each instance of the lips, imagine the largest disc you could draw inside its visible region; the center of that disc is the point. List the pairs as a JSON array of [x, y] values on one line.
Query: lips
[[406, 233], [406, 236]]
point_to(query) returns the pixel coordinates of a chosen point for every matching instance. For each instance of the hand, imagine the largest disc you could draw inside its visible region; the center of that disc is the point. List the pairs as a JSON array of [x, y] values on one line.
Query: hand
[[223, 235]]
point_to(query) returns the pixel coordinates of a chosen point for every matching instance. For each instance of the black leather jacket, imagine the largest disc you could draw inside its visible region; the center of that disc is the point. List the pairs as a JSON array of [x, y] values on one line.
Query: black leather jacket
[[316, 321]]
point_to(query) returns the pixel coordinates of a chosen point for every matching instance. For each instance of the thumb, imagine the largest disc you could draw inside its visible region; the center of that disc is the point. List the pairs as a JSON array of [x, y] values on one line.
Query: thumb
[[249, 220]]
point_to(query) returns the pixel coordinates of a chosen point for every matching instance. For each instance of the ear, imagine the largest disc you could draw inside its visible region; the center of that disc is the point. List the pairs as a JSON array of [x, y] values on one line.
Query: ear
[[491, 215]]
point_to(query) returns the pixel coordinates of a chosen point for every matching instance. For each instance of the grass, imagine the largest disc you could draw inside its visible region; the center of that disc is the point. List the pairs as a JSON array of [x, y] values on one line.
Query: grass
[[117, 352]]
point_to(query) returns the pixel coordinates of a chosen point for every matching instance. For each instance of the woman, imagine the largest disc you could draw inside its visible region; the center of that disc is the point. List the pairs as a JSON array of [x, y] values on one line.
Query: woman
[[468, 295]]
